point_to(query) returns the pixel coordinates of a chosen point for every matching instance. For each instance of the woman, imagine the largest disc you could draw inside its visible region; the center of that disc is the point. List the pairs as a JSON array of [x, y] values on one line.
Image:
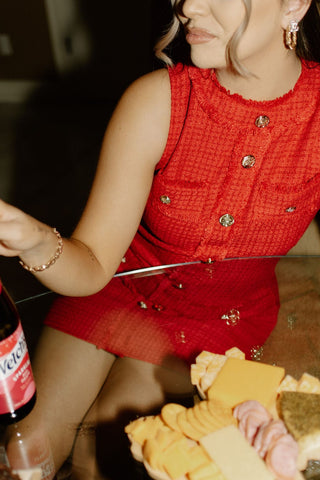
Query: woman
[[216, 160]]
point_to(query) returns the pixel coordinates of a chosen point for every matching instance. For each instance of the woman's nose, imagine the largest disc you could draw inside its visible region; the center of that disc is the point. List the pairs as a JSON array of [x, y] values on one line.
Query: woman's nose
[[192, 8]]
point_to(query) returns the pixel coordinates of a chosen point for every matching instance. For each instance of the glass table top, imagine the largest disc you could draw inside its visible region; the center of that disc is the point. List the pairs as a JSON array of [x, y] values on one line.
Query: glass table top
[[294, 343]]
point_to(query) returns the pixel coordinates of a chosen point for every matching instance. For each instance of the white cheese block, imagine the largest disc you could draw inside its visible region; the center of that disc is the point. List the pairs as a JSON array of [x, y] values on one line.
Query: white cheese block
[[234, 456]]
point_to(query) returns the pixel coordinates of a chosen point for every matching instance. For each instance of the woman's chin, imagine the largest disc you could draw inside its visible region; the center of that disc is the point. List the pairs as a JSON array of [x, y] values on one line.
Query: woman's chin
[[203, 62]]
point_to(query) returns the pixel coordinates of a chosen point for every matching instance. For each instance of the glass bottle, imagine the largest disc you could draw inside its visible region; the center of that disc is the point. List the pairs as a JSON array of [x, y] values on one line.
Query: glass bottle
[[17, 386], [25, 444]]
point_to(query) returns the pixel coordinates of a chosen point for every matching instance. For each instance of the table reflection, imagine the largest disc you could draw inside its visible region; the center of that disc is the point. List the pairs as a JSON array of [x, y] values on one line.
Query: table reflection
[[294, 342]]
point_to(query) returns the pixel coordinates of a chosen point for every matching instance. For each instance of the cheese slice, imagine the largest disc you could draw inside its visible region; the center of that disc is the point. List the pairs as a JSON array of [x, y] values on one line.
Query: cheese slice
[[235, 352], [216, 363], [142, 428], [175, 459], [197, 370], [165, 436], [234, 456], [241, 380], [204, 357], [308, 384], [206, 471], [288, 384], [153, 454], [197, 457]]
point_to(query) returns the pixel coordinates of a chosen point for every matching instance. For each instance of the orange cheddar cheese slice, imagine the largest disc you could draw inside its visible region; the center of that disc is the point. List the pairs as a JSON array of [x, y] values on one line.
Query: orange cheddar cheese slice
[[197, 458], [153, 454], [165, 437], [176, 460], [240, 380]]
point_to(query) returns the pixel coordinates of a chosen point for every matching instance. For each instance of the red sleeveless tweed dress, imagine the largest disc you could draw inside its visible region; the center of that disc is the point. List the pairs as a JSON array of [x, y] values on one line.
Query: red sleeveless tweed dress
[[238, 178]]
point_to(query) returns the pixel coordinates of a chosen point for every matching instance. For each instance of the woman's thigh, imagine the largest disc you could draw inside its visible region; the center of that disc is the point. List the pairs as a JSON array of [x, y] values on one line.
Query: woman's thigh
[[133, 388], [69, 374]]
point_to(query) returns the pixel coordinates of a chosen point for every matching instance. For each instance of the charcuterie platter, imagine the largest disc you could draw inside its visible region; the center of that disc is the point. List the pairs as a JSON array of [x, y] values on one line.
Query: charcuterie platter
[[250, 420]]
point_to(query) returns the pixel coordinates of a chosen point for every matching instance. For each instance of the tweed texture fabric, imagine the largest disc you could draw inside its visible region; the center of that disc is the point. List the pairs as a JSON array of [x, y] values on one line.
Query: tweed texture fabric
[[238, 178]]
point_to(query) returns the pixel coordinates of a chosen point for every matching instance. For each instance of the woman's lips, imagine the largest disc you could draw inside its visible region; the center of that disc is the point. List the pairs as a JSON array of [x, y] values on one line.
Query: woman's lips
[[195, 36]]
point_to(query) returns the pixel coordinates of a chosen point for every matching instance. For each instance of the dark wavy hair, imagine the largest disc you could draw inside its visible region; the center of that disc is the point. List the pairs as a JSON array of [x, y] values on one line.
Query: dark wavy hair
[[308, 40]]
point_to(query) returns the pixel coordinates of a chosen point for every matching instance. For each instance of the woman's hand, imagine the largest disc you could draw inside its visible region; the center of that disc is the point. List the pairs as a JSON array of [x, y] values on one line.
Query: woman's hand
[[19, 232]]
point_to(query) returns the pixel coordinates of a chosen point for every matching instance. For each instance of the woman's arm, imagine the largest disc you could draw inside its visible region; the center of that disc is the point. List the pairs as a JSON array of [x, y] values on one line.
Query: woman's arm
[[133, 144]]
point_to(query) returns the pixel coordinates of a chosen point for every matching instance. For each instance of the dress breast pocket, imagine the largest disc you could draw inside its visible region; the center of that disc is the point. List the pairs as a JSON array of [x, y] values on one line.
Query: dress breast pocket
[[175, 210], [281, 214], [282, 201]]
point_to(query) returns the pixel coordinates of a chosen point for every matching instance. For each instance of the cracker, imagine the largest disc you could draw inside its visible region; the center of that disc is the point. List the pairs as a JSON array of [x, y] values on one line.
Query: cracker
[[186, 427], [169, 414], [308, 384]]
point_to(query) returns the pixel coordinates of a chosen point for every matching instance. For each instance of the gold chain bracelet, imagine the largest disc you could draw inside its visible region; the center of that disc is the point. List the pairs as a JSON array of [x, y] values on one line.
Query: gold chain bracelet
[[52, 260]]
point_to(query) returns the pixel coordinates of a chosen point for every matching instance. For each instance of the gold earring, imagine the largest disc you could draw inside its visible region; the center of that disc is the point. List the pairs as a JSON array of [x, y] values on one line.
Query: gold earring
[[291, 34]]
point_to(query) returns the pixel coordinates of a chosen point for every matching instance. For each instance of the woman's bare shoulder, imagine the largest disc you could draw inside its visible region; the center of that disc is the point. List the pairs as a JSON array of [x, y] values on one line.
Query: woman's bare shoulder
[[151, 93], [144, 111], [156, 82]]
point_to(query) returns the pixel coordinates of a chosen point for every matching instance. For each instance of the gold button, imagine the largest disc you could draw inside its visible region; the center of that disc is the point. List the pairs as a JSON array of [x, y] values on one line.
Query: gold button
[[262, 121], [231, 318], [256, 353], [165, 199], [248, 161], [226, 220], [143, 305], [158, 307], [182, 337]]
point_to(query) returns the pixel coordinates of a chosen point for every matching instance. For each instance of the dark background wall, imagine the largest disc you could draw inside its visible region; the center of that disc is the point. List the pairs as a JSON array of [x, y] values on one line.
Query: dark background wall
[[59, 129], [121, 34], [25, 25], [56, 133]]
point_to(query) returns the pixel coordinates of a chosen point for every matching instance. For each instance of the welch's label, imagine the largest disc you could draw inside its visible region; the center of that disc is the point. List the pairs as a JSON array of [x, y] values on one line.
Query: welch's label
[[17, 384]]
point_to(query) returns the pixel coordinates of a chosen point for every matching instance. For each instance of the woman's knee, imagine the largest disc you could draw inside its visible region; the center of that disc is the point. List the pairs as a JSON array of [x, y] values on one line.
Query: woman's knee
[[69, 374]]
